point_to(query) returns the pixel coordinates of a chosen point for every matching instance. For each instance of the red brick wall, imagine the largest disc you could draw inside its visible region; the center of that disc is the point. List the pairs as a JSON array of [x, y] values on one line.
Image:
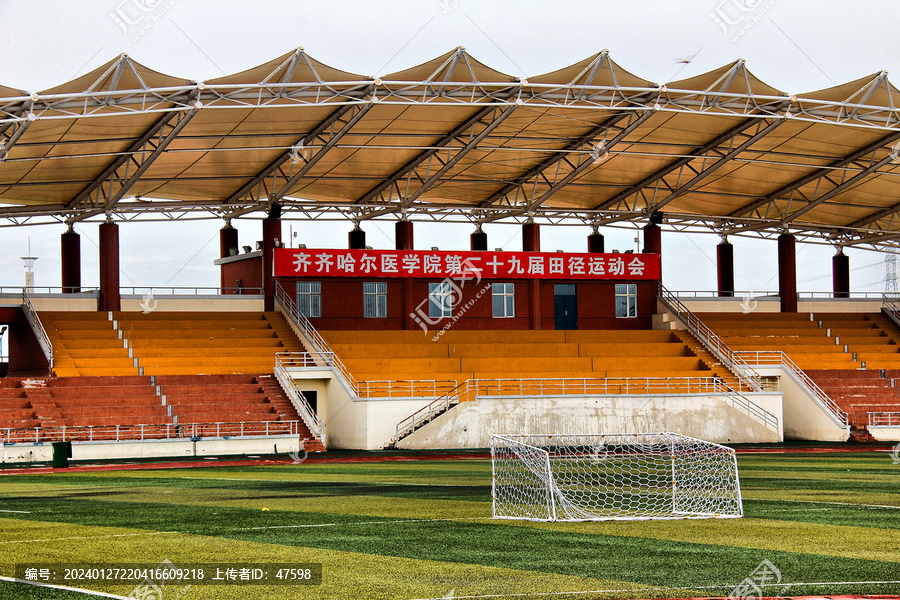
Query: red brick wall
[[342, 305]]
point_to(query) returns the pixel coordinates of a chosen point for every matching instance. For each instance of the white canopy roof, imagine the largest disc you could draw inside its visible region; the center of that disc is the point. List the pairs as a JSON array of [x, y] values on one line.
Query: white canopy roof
[[454, 139]]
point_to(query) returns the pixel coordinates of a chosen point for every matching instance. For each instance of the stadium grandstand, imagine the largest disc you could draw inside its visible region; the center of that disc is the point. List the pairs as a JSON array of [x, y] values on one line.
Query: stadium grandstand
[[350, 347]]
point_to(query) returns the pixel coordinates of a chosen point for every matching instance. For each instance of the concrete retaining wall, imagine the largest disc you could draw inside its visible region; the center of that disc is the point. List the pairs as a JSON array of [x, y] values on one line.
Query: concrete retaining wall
[[470, 424], [24, 453], [885, 433], [804, 417]]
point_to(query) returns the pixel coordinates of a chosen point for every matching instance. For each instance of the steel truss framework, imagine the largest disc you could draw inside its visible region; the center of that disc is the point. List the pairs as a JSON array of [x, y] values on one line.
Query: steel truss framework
[[454, 140]]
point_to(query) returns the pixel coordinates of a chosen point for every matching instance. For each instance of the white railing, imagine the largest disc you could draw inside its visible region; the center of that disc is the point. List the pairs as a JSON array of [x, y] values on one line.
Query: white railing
[[40, 333], [306, 412], [744, 294], [407, 388], [428, 412], [46, 290], [736, 295], [612, 386], [189, 291], [884, 419], [890, 306], [130, 433], [713, 342], [778, 358], [319, 344]]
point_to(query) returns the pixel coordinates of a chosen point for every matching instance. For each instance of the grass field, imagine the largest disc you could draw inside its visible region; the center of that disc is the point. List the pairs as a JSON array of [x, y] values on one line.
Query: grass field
[[422, 529]]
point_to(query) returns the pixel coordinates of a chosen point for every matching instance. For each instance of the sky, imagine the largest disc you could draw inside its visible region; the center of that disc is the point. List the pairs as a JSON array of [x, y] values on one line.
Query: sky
[[794, 45]]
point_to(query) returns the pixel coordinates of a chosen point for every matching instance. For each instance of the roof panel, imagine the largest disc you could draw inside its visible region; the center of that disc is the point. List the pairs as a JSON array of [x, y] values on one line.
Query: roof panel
[[249, 119]]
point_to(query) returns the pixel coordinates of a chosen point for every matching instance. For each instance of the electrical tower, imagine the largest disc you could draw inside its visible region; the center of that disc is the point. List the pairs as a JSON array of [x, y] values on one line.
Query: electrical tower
[[890, 274]]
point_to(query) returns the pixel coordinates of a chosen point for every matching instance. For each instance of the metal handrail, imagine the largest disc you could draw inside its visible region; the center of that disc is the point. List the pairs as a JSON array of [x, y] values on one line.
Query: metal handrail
[[405, 388], [189, 290], [713, 342], [759, 294], [14, 290], [611, 386], [434, 408], [35, 321], [890, 306], [131, 433], [779, 358], [312, 335], [382, 388], [306, 412], [884, 419]]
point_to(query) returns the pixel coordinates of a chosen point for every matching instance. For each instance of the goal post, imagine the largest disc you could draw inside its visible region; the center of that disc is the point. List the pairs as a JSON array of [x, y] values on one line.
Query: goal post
[[598, 477]]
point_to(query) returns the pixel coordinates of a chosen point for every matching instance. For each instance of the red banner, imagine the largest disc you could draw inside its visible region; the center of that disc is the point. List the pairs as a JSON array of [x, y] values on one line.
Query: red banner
[[291, 262]]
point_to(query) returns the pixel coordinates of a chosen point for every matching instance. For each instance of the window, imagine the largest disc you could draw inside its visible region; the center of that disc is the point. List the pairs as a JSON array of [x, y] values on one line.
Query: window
[[440, 300], [309, 298], [503, 297], [626, 300], [375, 300]]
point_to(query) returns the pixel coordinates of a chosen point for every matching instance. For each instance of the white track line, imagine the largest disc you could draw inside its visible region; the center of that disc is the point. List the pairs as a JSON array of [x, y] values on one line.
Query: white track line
[[360, 523], [91, 537], [821, 502], [353, 482], [655, 588], [21, 512], [62, 587]]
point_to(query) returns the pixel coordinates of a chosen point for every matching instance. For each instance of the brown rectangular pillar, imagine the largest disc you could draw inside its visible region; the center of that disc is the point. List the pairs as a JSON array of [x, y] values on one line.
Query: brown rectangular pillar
[[840, 275], [725, 269], [356, 239], [531, 237], [70, 262], [596, 243], [408, 304], [109, 268], [478, 241], [403, 231], [271, 232], [534, 304], [787, 273], [228, 246]]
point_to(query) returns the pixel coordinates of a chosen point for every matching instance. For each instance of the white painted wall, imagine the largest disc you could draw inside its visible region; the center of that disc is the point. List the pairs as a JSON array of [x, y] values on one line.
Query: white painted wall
[[804, 417], [193, 304], [768, 304], [885, 433], [471, 424], [82, 451], [162, 303]]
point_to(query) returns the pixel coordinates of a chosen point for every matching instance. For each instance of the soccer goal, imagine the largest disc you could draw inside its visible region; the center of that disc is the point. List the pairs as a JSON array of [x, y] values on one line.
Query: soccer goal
[[617, 476]]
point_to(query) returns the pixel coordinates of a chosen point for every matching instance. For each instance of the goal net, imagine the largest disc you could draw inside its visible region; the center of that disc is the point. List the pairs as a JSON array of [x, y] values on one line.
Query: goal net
[[617, 476]]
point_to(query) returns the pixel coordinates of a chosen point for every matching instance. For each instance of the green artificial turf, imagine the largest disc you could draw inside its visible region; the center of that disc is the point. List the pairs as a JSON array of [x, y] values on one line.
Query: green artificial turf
[[432, 517]]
